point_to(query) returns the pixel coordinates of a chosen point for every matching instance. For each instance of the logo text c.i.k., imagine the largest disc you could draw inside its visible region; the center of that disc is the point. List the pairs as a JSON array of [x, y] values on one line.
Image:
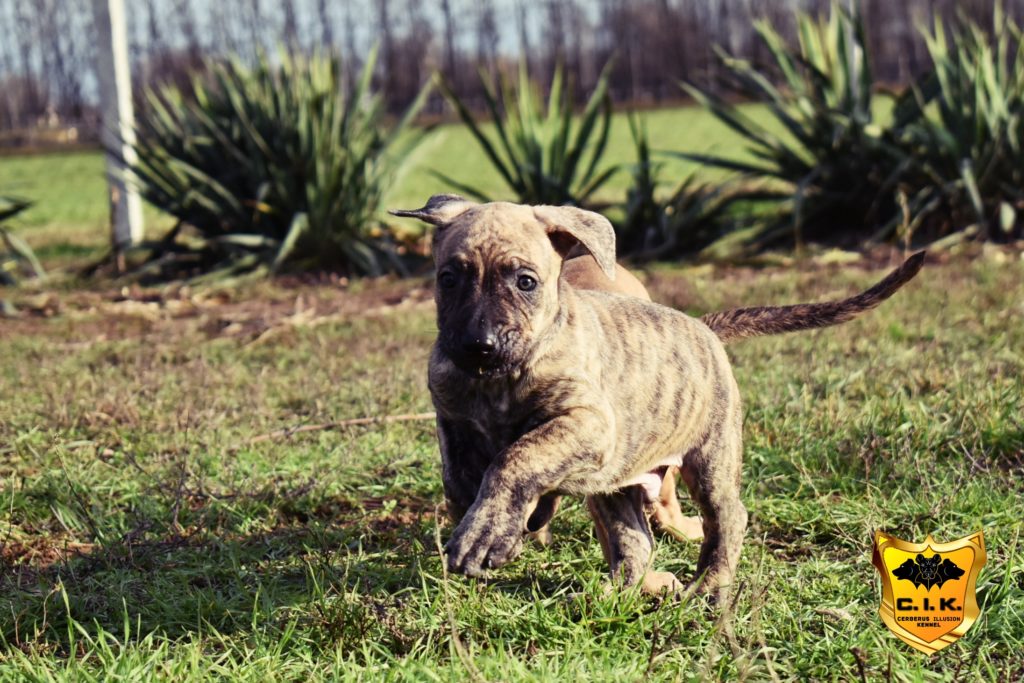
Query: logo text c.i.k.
[[928, 589]]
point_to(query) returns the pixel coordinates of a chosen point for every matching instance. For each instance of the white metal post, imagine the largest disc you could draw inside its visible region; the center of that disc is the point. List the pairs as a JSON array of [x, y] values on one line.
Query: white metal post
[[117, 130]]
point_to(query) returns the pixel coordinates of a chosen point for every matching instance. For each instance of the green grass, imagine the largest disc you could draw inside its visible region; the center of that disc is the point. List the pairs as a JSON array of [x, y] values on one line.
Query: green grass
[[452, 150], [68, 223], [143, 538]]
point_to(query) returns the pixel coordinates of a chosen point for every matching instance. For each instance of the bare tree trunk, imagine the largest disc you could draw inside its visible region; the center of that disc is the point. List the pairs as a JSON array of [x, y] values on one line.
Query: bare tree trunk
[[523, 31], [225, 28], [8, 59], [487, 37], [387, 46], [554, 36], [449, 43], [154, 36], [186, 21], [669, 42], [351, 49], [68, 64], [47, 45], [256, 26], [291, 25], [40, 15], [326, 32], [573, 42]]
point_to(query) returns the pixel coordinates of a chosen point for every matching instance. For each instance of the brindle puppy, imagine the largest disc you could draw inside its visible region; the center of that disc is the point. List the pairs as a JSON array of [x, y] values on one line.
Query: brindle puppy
[[542, 389]]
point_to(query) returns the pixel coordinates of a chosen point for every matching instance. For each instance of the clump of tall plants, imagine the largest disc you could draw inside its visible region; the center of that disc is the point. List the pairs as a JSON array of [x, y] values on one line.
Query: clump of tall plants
[[837, 169], [277, 164], [947, 156], [965, 131], [654, 226], [543, 152]]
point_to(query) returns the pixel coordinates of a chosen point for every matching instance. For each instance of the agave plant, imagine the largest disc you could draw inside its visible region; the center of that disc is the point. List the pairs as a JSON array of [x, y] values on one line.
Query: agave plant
[[654, 227], [543, 153], [17, 259], [837, 168], [273, 164], [965, 130]]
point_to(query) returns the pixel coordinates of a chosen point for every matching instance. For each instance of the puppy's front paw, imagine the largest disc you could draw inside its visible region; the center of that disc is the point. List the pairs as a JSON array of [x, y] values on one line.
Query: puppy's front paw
[[484, 541]]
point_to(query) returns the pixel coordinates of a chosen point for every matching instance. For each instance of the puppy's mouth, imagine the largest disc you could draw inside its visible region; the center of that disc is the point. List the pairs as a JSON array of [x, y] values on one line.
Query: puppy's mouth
[[477, 366], [484, 369]]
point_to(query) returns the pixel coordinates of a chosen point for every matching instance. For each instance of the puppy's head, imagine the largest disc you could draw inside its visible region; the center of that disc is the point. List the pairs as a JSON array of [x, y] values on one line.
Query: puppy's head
[[498, 267]]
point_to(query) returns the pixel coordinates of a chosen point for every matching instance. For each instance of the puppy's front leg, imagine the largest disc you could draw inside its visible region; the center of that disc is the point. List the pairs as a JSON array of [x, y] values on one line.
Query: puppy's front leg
[[463, 464], [491, 532]]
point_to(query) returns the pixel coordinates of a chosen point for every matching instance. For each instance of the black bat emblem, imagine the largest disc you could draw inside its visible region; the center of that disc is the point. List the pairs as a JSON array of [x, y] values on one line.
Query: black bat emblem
[[928, 571]]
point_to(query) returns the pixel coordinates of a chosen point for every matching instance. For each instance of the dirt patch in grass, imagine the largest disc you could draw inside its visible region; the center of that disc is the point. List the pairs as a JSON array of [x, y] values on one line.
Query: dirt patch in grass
[[253, 314], [41, 552], [258, 311]]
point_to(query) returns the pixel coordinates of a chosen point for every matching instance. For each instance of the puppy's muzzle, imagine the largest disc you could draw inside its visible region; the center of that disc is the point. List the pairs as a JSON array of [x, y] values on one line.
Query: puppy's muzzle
[[476, 353], [479, 347]]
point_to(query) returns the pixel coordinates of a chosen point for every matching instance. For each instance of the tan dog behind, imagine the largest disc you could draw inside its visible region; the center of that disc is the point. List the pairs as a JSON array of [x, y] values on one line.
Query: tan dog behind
[[543, 388]]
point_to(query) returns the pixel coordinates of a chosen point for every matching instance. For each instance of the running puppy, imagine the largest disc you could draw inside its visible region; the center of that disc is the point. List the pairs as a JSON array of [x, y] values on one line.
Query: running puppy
[[543, 388]]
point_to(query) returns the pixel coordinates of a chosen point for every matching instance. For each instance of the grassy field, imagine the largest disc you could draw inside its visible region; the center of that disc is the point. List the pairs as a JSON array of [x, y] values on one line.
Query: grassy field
[[68, 222], [144, 535]]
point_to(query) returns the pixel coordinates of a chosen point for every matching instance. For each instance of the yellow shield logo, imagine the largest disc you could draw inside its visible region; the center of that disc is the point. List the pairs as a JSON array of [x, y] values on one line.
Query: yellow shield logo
[[928, 597]]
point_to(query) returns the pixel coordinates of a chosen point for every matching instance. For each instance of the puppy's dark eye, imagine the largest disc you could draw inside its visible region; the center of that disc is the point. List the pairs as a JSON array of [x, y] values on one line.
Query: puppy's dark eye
[[447, 279], [526, 283]]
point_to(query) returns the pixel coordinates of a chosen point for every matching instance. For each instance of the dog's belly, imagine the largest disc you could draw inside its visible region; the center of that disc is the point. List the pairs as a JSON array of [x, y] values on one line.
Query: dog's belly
[[650, 481]]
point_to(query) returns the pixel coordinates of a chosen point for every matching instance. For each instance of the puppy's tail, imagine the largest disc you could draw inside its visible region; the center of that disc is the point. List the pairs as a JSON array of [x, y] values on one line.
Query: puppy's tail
[[740, 323]]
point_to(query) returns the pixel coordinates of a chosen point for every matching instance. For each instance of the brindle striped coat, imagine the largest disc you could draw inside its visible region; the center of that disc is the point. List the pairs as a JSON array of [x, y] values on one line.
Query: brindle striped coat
[[543, 388]]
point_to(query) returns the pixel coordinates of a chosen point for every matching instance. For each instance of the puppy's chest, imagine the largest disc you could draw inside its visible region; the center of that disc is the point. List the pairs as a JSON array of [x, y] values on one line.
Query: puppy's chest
[[496, 415]]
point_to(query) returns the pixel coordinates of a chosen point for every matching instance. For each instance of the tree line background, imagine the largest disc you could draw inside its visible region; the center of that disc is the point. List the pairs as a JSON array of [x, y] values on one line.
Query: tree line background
[[47, 47]]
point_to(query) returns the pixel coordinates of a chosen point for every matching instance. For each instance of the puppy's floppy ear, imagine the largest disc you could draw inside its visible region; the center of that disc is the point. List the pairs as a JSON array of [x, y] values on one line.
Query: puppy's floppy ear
[[439, 209], [569, 227]]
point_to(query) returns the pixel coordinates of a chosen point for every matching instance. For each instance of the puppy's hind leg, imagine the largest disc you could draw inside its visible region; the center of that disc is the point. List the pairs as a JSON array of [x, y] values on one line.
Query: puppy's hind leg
[[538, 527], [667, 516], [626, 541], [713, 476]]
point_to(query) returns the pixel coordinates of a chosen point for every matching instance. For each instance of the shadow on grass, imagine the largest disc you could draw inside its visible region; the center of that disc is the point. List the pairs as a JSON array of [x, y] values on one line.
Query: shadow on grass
[[337, 578]]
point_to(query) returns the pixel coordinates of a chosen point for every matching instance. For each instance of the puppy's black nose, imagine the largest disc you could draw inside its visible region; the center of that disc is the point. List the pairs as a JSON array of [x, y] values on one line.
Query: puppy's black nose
[[480, 346]]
